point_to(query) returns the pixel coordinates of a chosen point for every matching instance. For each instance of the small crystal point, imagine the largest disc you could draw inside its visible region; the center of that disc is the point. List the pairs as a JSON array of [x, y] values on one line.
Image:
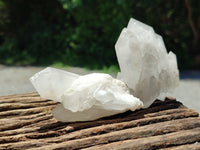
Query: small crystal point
[[50, 83], [145, 65]]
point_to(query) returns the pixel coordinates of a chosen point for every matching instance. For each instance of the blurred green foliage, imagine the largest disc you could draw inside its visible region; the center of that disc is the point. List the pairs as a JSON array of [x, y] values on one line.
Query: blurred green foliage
[[83, 32]]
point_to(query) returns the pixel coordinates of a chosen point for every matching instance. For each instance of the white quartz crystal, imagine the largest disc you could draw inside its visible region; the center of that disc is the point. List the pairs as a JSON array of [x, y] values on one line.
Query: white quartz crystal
[[50, 83], [84, 98], [145, 65]]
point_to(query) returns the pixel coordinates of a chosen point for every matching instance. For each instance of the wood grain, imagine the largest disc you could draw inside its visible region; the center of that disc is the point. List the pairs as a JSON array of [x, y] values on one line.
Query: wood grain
[[26, 123]]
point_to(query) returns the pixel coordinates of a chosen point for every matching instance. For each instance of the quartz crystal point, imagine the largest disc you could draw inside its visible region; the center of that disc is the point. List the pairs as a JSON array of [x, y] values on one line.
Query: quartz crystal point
[[51, 83], [146, 67], [84, 98]]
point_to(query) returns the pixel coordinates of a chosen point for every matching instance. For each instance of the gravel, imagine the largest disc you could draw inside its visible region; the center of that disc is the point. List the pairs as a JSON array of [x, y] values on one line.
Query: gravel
[[15, 80]]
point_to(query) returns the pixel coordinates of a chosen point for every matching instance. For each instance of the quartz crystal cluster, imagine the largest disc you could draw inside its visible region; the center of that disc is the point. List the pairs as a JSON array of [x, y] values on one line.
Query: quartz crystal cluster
[[147, 71], [84, 98], [146, 67]]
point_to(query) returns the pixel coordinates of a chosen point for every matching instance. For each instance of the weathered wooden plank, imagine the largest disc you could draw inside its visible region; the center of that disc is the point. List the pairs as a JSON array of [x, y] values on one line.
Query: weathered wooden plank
[[95, 132], [132, 133], [26, 122], [8, 106], [112, 127], [193, 146], [155, 142]]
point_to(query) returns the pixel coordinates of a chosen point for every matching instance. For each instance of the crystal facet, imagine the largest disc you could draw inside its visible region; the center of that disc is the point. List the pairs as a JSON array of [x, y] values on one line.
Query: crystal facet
[[145, 65], [50, 83], [85, 97]]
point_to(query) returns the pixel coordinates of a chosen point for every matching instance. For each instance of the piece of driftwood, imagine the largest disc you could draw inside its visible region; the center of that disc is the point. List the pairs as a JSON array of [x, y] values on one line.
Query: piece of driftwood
[[26, 123]]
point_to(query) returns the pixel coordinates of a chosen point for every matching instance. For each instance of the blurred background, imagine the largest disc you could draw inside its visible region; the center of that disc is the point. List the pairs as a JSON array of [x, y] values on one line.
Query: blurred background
[[82, 33]]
